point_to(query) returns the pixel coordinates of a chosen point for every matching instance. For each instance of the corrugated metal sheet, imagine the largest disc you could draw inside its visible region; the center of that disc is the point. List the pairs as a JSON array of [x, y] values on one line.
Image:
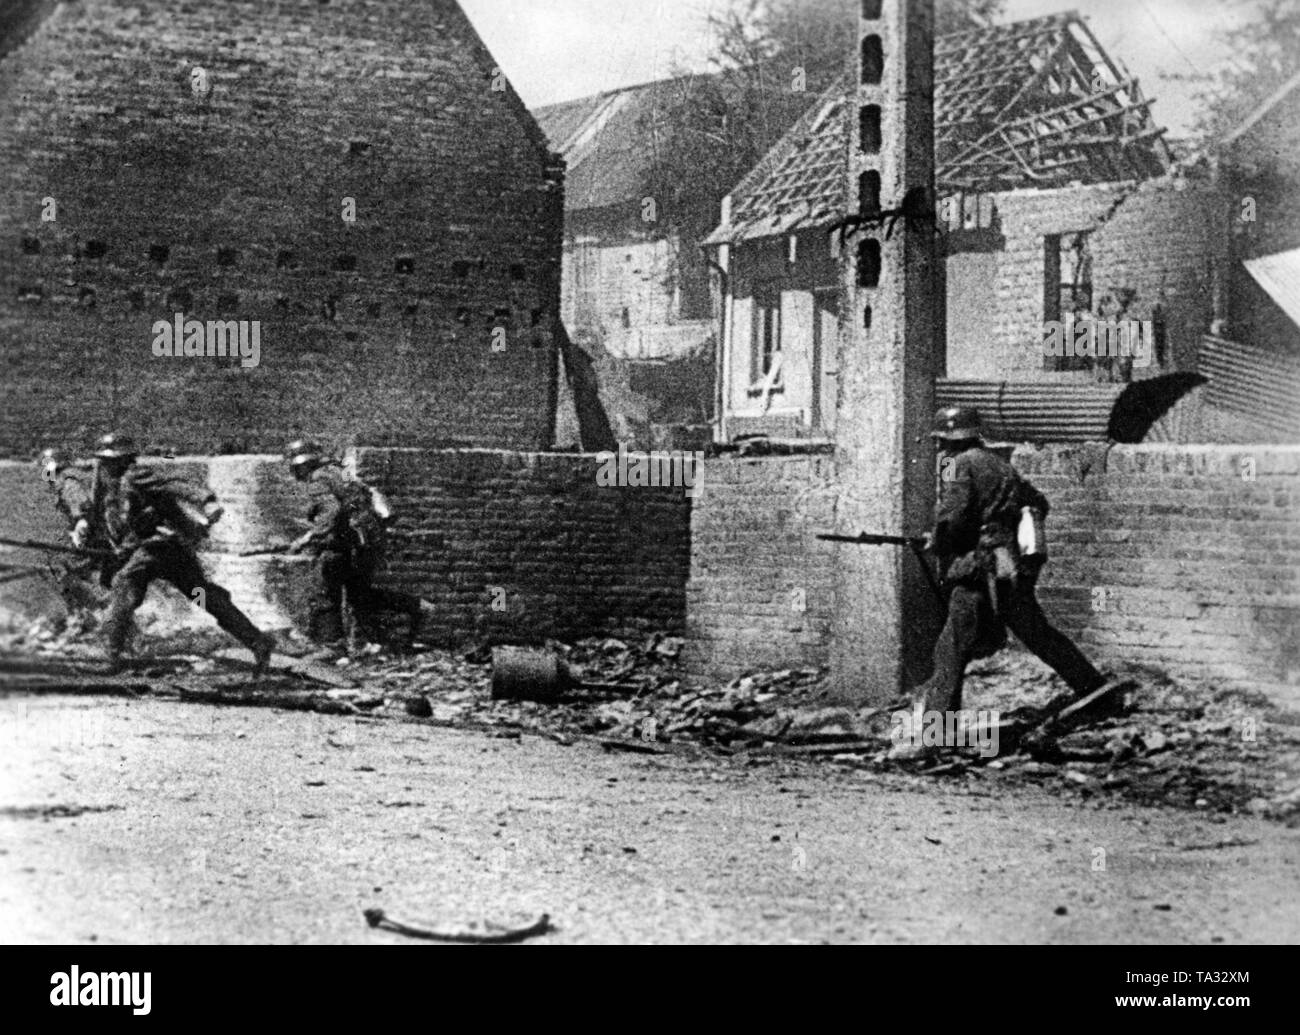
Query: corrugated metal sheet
[[1036, 412], [1279, 275], [1260, 385]]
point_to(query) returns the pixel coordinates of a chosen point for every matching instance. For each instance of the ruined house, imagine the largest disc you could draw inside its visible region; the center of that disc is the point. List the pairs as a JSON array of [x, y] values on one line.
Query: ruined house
[[1170, 547], [633, 299], [636, 296], [1057, 197], [356, 179]]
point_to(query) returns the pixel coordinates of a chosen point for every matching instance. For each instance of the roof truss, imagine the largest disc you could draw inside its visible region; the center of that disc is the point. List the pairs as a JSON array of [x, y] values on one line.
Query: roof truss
[[1039, 103]]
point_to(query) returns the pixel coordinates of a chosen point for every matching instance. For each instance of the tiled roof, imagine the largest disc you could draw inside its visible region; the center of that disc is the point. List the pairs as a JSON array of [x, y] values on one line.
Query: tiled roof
[[801, 181], [1032, 104], [602, 139]]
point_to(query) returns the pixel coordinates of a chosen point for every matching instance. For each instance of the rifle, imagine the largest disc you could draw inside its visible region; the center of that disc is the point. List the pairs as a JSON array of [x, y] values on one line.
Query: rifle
[[31, 544], [868, 539], [8, 575], [914, 543]]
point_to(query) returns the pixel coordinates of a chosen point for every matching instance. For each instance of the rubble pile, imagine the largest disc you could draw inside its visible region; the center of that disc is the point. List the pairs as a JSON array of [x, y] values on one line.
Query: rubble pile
[[1181, 745], [1178, 744], [1185, 744]]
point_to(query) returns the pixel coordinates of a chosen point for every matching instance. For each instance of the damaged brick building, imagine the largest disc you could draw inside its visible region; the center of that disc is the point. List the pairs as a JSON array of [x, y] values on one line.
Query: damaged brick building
[[358, 178], [1174, 548], [1044, 149], [381, 333], [636, 294]]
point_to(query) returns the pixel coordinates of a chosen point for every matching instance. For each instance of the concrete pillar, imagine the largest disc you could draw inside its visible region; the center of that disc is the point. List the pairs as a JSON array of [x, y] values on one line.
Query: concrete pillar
[[885, 614]]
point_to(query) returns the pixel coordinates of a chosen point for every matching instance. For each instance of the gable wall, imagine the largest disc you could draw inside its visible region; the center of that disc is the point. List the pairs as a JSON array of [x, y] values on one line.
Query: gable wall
[[388, 102]]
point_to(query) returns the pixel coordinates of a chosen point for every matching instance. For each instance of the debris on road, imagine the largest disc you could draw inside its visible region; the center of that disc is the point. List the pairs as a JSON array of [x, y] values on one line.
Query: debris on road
[[492, 934], [632, 747], [311, 670], [48, 812], [285, 695], [1219, 845], [1189, 746]]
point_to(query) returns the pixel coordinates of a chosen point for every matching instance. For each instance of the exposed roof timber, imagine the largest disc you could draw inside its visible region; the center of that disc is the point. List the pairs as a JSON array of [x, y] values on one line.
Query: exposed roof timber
[[994, 77], [1003, 35], [1036, 123], [1036, 104], [1099, 50], [1039, 77]]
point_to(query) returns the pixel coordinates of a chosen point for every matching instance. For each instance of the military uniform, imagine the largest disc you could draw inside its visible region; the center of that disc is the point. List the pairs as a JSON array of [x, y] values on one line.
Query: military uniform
[[991, 588], [72, 496], [143, 518], [70, 489], [347, 542]]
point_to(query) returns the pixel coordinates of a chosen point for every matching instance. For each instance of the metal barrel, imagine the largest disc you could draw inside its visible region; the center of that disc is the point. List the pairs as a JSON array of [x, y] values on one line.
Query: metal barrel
[[527, 674]]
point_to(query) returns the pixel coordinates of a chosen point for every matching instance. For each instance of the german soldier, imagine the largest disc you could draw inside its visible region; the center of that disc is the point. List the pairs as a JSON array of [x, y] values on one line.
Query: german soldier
[[346, 540], [992, 586], [147, 519], [71, 491]]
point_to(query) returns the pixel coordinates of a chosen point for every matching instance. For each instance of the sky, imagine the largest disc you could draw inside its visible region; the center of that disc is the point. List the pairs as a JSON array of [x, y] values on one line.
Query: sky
[[554, 50]]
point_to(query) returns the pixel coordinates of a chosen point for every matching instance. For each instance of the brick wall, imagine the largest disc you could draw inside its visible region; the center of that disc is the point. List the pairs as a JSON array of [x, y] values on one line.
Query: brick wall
[[377, 332], [1163, 242], [761, 588], [1200, 568], [1157, 238], [571, 558], [628, 295], [1193, 568]]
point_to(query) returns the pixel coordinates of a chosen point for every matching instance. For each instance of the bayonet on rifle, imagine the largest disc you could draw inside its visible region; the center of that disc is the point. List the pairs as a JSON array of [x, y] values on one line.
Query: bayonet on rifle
[[868, 539], [31, 544], [916, 544]]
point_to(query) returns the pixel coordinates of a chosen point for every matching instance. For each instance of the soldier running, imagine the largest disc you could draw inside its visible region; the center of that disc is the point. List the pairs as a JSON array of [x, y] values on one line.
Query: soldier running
[[992, 587], [146, 518], [347, 541], [71, 491]]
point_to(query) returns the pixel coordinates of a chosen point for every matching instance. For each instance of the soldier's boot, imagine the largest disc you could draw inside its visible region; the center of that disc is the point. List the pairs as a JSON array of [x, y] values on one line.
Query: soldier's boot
[[262, 651], [1109, 701], [910, 747]]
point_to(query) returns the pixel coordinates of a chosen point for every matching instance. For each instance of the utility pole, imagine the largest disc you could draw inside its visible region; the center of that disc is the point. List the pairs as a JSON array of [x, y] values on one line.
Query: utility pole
[[885, 614]]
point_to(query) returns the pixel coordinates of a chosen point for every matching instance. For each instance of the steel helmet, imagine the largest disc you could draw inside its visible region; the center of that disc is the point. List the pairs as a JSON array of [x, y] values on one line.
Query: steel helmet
[[51, 462], [303, 454], [957, 424], [116, 447], [55, 459]]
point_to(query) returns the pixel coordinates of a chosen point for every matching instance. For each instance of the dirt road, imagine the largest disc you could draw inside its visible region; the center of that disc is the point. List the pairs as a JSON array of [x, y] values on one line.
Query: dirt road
[[159, 822]]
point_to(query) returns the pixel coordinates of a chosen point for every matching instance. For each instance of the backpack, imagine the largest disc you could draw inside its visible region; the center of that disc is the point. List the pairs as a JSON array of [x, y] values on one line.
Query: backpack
[[369, 515]]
